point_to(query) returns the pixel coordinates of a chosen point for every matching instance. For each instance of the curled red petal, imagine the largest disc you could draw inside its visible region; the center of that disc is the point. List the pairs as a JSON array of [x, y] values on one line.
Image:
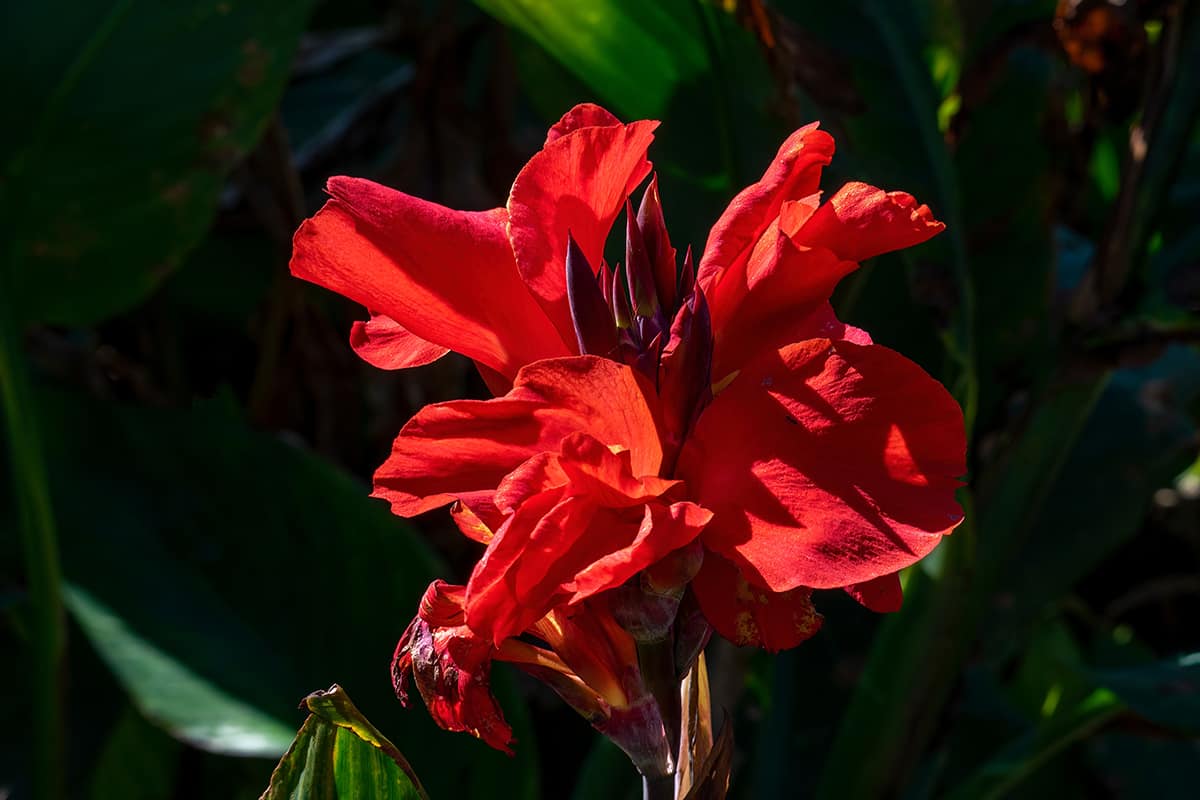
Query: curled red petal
[[461, 450], [584, 115], [576, 184], [382, 342], [860, 222], [827, 464], [747, 614], [448, 277], [883, 594], [794, 173]]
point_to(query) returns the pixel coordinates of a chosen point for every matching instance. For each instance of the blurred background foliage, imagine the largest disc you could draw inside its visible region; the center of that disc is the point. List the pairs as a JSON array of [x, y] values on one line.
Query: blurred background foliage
[[189, 547]]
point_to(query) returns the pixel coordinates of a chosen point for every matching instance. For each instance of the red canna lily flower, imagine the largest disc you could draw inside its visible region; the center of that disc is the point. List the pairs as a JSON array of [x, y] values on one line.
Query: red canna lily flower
[[648, 414]]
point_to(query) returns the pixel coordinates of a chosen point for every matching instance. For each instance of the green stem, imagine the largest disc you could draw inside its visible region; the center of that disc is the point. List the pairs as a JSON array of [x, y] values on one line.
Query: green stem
[[47, 629]]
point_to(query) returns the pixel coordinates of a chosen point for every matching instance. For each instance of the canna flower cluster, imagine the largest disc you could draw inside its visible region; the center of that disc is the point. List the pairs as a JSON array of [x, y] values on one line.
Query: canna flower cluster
[[674, 446]]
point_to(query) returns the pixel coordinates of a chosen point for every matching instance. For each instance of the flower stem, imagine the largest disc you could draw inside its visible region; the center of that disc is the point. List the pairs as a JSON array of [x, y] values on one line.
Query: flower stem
[[658, 787]]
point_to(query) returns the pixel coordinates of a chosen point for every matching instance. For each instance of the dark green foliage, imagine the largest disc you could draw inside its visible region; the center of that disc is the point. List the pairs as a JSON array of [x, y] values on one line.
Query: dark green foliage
[[189, 439]]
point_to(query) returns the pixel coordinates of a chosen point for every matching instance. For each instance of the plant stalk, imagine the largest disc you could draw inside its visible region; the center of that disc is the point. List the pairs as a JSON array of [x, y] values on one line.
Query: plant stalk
[[31, 492]]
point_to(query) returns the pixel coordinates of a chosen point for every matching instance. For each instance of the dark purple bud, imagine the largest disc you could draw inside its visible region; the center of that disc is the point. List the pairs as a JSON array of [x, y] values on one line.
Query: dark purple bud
[[637, 268], [687, 276], [658, 245], [593, 324], [619, 301], [685, 370], [605, 279]]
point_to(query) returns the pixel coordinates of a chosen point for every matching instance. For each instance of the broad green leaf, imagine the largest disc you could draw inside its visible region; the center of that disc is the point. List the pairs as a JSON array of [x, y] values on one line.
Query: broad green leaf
[[1138, 438], [131, 116], [339, 754], [632, 54], [238, 565], [171, 694], [138, 762]]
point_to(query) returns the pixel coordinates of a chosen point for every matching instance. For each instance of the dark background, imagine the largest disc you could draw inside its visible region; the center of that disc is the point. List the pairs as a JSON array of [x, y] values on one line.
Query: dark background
[[191, 437]]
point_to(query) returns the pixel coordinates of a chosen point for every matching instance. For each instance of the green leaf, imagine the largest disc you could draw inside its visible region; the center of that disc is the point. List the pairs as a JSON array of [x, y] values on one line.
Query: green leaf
[[1000, 775], [168, 692], [1137, 439], [632, 54], [685, 62], [257, 569], [133, 114], [1165, 692], [338, 753]]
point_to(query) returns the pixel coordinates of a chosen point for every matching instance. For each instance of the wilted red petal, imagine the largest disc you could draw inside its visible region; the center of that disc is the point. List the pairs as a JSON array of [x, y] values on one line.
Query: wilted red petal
[[794, 173], [883, 594], [749, 615], [463, 449], [451, 668], [827, 464], [576, 184], [584, 115], [860, 222], [446, 276], [382, 342]]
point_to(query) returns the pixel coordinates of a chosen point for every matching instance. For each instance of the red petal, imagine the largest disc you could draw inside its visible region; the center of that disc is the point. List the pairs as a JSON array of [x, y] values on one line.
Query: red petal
[[382, 342], [663, 530], [748, 615], [593, 527], [470, 523], [447, 276], [790, 285], [860, 222], [576, 184], [824, 324], [795, 173], [605, 476], [827, 464], [463, 449], [584, 115], [518, 579], [883, 594]]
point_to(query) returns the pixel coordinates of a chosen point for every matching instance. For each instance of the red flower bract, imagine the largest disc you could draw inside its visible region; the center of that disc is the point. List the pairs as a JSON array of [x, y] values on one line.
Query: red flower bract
[[648, 413]]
